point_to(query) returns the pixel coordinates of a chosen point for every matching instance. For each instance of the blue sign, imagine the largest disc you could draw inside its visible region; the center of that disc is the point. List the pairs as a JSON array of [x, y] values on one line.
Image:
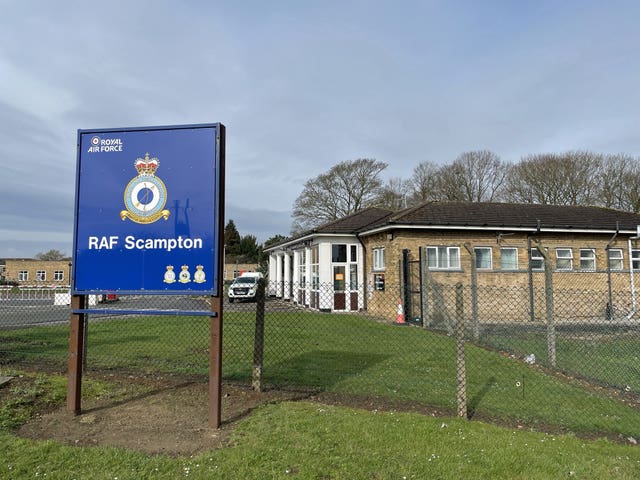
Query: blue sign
[[148, 210]]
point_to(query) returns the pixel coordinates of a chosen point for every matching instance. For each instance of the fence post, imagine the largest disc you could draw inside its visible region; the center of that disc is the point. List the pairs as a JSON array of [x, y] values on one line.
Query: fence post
[[461, 371], [548, 293], [424, 286], [258, 341], [474, 292]]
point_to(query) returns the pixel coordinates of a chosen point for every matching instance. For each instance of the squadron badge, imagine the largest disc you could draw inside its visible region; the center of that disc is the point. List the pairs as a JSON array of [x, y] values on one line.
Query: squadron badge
[[145, 195]]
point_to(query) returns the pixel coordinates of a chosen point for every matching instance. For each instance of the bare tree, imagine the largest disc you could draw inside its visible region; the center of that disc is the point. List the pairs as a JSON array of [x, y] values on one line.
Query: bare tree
[[475, 176], [394, 195], [51, 255], [620, 182], [346, 188], [423, 184], [569, 178]]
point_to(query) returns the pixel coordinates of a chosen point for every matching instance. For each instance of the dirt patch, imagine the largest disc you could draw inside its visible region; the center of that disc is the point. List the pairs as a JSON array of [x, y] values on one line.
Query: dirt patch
[[171, 421]]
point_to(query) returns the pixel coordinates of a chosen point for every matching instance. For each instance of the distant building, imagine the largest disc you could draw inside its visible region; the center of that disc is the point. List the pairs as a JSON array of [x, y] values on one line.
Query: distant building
[[29, 271]]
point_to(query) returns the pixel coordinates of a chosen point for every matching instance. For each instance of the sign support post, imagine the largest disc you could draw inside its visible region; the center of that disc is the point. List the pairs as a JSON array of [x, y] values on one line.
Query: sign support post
[[76, 351]]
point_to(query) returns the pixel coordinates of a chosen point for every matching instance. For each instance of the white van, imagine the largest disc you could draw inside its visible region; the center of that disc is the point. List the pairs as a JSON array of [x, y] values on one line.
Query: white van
[[245, 286]]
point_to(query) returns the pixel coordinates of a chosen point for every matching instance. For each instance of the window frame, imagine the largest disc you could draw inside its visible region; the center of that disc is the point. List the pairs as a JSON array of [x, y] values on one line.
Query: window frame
[[41, 275], [58, 275], [536, 256], [514, 249], [620, 259], [635, 259], [378, 259], [448, 251], [23, 275], [584, 259], [478, 249], [568, 259]]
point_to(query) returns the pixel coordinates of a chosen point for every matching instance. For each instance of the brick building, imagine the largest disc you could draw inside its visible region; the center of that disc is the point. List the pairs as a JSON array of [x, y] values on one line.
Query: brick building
[[29, 271], [365, 260]]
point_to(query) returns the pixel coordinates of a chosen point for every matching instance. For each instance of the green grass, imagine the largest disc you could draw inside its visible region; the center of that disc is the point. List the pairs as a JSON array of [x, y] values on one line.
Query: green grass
[[344, 354], [311, 441], [610, 359]]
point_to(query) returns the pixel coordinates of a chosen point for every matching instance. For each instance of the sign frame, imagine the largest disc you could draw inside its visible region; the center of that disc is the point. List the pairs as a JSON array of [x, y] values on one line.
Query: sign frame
[[202, 179]]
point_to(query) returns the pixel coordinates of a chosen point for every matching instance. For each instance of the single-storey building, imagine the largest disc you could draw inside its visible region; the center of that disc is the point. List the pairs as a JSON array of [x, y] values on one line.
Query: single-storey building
[[368, 260]]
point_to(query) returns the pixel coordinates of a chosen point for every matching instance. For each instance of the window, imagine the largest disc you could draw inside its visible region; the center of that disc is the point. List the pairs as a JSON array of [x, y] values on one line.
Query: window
[[378, 259], [58, 275], [443, 258], [302, 268], [483, 258], [354, 253], [635, 259], [315, 268], [41, 275], [23, 276], [615, 258], [339, 253], [564, 259], [537, 261], [588, 259], [378, 281], [508, 258]]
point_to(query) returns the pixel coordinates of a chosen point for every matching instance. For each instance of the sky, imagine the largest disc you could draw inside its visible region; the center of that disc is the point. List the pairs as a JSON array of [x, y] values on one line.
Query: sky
[[301, 86]]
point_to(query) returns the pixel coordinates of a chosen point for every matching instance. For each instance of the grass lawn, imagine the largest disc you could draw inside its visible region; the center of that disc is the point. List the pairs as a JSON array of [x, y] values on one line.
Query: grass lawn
[[343, 354], [311, 441]]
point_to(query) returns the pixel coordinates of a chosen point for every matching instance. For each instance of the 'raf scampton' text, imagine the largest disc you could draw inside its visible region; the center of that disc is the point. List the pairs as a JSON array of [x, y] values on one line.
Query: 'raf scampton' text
[[133, 243]]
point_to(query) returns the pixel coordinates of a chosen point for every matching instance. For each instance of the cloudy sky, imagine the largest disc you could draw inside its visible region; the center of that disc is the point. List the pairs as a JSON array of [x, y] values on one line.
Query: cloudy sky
[[302, 85]]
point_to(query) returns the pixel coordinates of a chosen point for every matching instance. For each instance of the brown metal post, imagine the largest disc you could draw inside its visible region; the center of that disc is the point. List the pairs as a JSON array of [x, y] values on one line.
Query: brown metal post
[[76, 349], [258, 340], [215, 364], [215, 345]]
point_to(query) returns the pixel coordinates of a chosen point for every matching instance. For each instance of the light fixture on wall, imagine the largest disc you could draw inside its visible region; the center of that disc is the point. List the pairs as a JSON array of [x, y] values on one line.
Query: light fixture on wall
[[389, 236]]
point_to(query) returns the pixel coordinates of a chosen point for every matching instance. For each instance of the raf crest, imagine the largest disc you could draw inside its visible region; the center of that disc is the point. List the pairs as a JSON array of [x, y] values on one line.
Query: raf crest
[[145, 195]]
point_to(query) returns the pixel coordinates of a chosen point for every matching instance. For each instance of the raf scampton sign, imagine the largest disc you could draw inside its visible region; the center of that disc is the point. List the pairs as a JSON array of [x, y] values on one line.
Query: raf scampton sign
[[147, 214]]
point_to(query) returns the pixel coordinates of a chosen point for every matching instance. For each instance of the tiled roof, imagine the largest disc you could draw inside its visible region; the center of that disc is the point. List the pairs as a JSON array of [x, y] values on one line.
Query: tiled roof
[[364, 219], [516, 216], [488, 215]]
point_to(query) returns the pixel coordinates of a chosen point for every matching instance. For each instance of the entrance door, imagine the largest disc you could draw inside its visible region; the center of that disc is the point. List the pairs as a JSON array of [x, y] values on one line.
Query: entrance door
[[339, 296]]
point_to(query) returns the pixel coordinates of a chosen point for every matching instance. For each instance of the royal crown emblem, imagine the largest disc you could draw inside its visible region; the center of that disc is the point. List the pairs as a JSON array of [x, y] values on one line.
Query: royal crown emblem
[[145, 195]]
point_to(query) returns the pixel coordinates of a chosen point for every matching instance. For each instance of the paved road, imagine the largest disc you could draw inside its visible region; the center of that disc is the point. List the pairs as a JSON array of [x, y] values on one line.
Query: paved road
[[31, 313]]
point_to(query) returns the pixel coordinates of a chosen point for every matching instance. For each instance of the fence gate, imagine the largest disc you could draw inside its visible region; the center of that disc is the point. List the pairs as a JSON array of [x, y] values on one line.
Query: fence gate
[[412, 287]]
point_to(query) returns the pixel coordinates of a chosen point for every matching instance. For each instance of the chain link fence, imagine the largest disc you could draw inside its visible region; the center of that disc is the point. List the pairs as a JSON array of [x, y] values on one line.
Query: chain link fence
[[564, 356]]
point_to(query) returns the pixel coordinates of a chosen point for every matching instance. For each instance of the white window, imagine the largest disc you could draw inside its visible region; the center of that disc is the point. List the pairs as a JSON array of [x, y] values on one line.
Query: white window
[[483, 258], [635, 259], [23, 276], [58, 275], [564, 259], [378, 259], [537, 261], [41, 275], [443, 258], [615, 259], [509, 258], [588, 259]]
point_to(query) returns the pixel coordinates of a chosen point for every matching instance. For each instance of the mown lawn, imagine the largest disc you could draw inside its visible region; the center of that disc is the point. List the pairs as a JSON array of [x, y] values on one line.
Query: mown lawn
[[343, 354], [310, 441]]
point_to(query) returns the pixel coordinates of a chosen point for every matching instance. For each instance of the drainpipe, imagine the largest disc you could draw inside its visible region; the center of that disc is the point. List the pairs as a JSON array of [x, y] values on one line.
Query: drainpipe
[[631, 279], [363, 281]]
